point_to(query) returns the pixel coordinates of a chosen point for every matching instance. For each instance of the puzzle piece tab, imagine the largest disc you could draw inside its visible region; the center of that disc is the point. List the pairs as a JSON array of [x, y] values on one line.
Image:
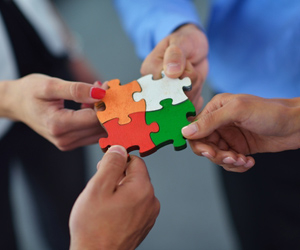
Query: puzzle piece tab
[[145, 114], [132, 136], [119, 102], [154, 91], [171, 119]]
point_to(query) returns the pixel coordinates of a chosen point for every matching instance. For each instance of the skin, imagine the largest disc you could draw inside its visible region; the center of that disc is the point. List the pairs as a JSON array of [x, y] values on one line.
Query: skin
[[231, 127], [182, 53], [38, 101], [117, 208]]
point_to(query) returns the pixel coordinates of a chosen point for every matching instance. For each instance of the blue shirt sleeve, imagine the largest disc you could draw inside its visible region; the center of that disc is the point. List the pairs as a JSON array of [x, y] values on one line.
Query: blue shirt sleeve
[[147, 22]]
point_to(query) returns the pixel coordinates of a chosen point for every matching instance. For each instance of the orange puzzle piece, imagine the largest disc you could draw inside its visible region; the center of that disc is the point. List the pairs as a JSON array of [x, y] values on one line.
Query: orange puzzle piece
[[119, 102]]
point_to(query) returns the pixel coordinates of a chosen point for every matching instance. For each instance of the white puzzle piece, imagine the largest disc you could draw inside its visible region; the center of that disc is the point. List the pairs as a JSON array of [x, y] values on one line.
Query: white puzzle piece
[[154, 91]]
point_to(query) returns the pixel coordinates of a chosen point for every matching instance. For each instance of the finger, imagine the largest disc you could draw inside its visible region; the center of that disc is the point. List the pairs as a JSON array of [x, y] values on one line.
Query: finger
[[111, 169], [217, 102], [137, 166], [234, 169], [87, 106], [91, 105], [246, 164], [228, 159], [136, 172], [97, 84], [202, 149], [65, 120], [205, 124], [153, 64], [78, 138], [174, 61], [76, 91]]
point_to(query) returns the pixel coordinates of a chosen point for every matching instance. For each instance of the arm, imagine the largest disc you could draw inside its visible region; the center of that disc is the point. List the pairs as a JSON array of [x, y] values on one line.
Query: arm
[[233, 126], [148, 22], [38, 101], [171, 29], [118, 208]]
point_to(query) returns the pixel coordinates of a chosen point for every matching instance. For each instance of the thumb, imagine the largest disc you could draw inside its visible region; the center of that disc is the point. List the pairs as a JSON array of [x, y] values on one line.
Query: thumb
[[207, 124], [111, 168], [174, 61]]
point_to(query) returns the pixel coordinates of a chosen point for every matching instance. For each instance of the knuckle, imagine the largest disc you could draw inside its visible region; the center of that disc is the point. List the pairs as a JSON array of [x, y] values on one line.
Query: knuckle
[[54, 129], [76, 91], [114, 162], [148, 192], [62, 147], [156, 206], [174, 53], [239, 103], [219, 97], [48, 86]]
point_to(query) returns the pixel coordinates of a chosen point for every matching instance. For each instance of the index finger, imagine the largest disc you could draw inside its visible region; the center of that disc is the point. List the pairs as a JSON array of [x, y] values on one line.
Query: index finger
[[80, 92], [136, 173], [137, 166]]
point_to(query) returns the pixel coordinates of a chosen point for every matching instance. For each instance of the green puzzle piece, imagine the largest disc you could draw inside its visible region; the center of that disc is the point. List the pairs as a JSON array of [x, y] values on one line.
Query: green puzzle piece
[[171, 119]]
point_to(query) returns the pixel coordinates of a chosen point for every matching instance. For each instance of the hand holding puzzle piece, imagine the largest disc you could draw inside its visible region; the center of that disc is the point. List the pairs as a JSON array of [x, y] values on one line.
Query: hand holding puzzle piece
[[146, 114]]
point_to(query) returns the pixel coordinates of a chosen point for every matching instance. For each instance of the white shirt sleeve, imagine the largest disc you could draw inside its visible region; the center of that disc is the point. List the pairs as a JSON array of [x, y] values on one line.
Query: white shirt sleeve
[[44, 19]]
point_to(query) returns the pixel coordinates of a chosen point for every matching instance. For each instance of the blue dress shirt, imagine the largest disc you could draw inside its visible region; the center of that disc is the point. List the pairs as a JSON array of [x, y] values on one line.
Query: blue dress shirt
[[254, 45]]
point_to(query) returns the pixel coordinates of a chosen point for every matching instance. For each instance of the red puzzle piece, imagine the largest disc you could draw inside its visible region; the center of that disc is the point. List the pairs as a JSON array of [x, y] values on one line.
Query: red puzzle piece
[[134, 135]]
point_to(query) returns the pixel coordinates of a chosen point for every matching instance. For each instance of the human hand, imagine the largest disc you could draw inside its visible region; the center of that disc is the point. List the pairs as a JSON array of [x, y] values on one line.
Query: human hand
[[118, 208], [182, 53], [38, 101], [233, 126]]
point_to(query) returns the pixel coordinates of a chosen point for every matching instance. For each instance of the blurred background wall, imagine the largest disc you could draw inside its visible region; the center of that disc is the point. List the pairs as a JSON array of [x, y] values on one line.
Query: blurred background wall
[[193, 212]]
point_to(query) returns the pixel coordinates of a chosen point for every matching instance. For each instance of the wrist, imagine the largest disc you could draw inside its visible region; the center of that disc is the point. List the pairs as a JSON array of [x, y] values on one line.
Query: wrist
[[90, 243], [190, 26], [6, 109], [294, 102], [293, 112]]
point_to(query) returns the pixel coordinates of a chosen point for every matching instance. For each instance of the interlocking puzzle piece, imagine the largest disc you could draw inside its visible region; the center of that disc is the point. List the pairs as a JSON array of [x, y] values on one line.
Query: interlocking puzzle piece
[[154, 91], [119, 102], [132, 136], [171, 119]]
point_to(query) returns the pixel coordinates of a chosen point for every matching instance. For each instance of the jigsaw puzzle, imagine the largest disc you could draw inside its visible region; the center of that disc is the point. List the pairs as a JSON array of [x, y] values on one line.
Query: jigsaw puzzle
[[145, 114]]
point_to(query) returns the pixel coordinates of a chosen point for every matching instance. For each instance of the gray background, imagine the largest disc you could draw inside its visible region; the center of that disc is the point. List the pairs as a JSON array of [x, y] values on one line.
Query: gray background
[[193, 212]]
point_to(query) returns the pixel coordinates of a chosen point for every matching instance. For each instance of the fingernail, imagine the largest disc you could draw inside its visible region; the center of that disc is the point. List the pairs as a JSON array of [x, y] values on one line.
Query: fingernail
[[189, 130], [97, 93], [249, 164], [118, 149], [239, 162], [98, 83], [229, 160], [173, 68], [207, 155]]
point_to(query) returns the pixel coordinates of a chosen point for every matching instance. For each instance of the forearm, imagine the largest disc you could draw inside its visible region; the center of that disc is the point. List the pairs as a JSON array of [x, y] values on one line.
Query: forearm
[[148, 22]]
